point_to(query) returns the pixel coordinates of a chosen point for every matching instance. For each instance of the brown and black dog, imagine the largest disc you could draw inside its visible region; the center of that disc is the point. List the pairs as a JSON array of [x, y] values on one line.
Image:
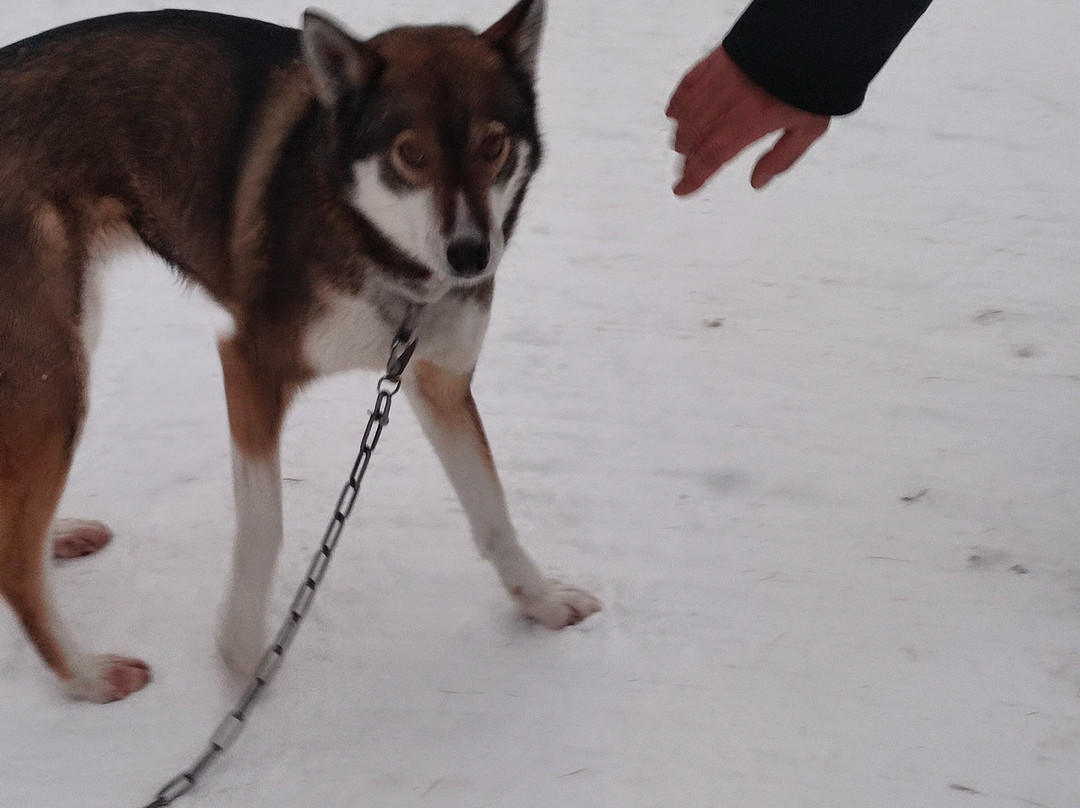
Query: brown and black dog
[[323, 190]]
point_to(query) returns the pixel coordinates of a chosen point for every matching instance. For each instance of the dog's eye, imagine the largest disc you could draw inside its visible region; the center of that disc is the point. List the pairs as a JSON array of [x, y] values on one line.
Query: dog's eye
[[411, 154], [493, 145]]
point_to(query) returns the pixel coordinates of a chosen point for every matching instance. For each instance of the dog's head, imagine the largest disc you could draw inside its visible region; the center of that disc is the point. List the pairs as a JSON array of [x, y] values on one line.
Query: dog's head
[[438, 132]]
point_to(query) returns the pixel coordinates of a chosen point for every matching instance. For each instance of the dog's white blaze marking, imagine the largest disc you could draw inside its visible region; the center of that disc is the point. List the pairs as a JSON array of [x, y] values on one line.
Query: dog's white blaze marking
[[349, 334], [257, 490], [465, 226], [410, 220]]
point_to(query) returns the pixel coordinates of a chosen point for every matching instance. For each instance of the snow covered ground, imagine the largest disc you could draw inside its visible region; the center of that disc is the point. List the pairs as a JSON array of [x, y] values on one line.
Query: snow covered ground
[[817, 449]]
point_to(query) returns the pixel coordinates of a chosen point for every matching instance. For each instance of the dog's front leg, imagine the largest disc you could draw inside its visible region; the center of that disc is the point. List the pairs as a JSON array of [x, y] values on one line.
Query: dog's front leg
[[445, 407], [256, 404]]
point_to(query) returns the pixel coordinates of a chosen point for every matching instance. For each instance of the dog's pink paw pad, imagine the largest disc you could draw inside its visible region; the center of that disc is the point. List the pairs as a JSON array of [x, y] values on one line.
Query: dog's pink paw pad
[[73, 538], [123, 676], [106, 678]]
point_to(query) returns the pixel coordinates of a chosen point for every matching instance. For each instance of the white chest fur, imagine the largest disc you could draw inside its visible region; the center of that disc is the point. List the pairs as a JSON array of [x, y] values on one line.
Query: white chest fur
[[350, 333]]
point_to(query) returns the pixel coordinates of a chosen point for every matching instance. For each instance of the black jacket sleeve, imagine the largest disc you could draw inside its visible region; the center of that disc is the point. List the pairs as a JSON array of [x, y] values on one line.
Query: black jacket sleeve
[[819, 55]]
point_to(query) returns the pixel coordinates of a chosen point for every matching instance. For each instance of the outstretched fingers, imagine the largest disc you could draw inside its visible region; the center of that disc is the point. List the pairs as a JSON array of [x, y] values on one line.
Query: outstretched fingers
[[719, 111], [792, 145], [716, 150]]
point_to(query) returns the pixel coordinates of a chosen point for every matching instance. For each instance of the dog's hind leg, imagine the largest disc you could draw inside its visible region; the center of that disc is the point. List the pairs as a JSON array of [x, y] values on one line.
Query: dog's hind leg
[[256, 407], [42, 401], [445, 407], [74, 538], [33, 470]]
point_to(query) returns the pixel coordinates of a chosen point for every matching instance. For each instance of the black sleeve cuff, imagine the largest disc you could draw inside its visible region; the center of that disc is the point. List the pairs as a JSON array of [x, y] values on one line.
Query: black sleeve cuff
[[819, 55]]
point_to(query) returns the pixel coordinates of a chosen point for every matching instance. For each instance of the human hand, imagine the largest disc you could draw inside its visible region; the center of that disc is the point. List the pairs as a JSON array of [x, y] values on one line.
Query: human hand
[[719, 111]]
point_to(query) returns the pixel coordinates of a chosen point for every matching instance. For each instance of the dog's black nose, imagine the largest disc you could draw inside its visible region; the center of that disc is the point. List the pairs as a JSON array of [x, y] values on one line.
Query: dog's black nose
[[467, 256]]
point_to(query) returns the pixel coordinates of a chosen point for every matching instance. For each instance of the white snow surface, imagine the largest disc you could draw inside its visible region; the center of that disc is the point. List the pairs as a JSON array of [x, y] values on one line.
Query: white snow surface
[[817, 449]]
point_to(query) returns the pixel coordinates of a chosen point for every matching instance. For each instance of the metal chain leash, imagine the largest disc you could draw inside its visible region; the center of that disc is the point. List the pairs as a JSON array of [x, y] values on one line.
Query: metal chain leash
[[231, 726]]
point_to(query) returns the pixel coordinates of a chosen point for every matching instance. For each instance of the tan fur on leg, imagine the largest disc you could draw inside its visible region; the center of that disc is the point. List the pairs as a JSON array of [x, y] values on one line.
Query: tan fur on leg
[[29, 493]]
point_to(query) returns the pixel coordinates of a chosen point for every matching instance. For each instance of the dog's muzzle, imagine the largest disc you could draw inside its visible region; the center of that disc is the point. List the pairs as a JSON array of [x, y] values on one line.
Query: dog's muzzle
[[468, 257]]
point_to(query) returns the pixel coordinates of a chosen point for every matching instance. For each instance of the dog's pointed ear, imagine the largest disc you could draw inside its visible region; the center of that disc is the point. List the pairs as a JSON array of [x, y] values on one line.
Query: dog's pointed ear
[[338, 63], [517, 34]]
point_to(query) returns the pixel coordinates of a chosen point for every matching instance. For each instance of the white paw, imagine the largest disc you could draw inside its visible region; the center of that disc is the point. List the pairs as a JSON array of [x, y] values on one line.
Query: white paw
[[557, 605], [108, 678], [241, 644]]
